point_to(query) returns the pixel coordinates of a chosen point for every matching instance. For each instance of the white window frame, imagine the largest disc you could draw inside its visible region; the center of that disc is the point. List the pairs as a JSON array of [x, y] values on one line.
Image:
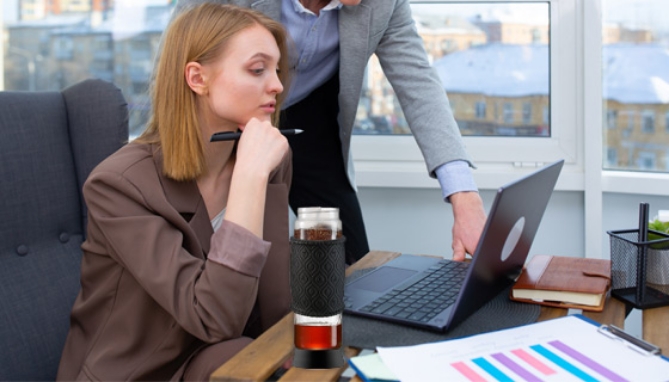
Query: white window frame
[[396, 161]]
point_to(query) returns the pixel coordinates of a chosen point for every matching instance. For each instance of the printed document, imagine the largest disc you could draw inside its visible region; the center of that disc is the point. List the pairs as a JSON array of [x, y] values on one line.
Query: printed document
[[564, 349]]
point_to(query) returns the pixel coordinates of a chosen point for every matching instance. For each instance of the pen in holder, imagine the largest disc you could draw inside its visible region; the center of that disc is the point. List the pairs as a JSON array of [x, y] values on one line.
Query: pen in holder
[[317, 267]]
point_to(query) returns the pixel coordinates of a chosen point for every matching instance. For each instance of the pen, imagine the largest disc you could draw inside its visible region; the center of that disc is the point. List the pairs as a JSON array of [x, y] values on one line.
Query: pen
[[641, 252], [235, 135], [615, 332]]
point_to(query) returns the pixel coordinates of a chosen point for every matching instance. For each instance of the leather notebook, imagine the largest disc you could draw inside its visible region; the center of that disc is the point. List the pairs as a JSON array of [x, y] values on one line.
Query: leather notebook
[[564, 282]]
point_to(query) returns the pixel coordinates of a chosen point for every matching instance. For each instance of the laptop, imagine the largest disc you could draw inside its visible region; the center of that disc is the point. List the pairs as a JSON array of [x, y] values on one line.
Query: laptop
[[438, 294]]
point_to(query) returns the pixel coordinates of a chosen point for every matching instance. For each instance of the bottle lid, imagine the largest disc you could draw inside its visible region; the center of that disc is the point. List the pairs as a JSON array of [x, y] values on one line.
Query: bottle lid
[[318, 213]]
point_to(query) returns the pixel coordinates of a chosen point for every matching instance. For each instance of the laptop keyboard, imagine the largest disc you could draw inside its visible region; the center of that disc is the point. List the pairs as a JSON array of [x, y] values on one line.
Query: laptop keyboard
[[425, 298]]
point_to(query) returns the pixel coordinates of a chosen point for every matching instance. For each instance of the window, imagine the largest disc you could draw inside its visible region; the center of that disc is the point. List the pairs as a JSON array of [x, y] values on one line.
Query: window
[[500, 48], [508, 113], [611, 119], [612, 156], [63, 48], [52, 45], [468, 43], [629, 118], [635, 76], [480, 110], [503, 68], [480, 55], [648, 121], [646, 161], [527, 113], [537, 66]]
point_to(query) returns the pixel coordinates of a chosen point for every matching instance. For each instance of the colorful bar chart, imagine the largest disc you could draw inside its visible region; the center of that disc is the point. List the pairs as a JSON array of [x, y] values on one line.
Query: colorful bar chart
[[551, 361]]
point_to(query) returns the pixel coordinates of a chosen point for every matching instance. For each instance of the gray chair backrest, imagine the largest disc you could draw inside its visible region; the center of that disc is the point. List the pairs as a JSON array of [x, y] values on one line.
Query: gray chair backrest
[[49, 143]]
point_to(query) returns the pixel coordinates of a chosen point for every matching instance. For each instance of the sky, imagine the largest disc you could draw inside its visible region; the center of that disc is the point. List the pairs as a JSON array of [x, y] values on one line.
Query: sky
[[633, 73], [10, 7], [536, 12], [633, 13], [646, 13]]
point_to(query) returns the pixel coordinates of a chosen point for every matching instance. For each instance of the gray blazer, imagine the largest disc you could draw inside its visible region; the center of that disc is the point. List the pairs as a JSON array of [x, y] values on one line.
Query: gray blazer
[[384, 28]]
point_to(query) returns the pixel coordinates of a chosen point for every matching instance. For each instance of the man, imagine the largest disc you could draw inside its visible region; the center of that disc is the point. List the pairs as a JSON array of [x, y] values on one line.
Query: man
[[334, 40]]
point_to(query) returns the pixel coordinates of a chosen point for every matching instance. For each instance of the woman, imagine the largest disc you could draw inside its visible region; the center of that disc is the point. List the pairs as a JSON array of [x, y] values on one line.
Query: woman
[[186, 256]]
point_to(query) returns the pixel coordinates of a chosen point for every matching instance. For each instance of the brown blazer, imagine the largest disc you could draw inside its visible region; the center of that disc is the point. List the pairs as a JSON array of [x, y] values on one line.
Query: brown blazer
[[149, 297]]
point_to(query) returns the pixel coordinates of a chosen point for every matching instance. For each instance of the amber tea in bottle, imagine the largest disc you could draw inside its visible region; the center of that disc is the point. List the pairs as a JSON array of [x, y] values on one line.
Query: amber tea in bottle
[[318, 333]]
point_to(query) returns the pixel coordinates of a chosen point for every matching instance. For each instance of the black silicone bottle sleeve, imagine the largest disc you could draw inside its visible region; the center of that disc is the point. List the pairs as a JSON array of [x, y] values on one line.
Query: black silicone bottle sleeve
[[317, 270]]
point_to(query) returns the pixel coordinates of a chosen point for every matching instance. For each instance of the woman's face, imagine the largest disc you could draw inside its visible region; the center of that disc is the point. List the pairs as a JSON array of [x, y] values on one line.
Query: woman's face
[[243, 82]]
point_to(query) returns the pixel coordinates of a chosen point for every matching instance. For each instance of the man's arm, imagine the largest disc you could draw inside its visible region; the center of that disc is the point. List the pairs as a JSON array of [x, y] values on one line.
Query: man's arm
[[419, 89], [459, 189], [433, 125]]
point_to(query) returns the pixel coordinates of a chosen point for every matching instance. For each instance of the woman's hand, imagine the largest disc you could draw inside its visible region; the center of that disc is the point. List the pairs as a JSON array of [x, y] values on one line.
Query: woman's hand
[[260, 150], [261, 147]]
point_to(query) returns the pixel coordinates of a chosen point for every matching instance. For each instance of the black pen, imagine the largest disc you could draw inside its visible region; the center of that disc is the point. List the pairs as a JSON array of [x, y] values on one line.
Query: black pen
[[235, 135]]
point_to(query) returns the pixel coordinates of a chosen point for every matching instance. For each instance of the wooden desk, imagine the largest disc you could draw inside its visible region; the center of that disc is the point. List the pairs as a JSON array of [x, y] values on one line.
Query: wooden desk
[[267, 353]]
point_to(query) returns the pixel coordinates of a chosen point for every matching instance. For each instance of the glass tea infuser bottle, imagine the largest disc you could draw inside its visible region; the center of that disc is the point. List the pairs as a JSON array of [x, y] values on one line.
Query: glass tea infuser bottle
[[317, 286]]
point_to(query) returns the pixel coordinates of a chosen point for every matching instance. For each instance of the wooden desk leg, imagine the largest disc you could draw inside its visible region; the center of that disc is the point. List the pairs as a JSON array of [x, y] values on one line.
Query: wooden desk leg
[[655, 327], [613, 314]]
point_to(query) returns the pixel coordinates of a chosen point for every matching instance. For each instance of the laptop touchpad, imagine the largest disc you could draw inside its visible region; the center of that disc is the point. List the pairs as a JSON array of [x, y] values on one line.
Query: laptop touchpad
[[382, 279]]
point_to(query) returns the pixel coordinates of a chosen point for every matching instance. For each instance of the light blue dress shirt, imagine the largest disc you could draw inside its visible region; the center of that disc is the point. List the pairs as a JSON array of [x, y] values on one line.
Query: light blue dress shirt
[[316, 40]]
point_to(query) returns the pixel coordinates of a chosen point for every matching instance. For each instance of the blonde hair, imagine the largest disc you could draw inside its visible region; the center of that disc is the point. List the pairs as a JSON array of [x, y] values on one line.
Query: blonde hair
[[198, 35]]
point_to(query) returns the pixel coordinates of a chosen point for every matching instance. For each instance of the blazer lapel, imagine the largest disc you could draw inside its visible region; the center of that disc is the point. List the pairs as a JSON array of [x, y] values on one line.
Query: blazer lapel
[[186, 199]]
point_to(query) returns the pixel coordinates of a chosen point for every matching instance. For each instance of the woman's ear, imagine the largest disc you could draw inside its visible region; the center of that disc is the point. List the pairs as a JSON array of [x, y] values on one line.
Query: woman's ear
[[196, 78]]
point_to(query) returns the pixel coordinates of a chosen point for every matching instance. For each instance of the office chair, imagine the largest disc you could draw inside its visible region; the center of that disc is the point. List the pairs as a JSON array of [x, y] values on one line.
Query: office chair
[[49, 143]]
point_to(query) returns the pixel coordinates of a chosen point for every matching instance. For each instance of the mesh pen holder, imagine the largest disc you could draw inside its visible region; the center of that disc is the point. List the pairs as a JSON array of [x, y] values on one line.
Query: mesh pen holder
[[317, 271], [640, 269]]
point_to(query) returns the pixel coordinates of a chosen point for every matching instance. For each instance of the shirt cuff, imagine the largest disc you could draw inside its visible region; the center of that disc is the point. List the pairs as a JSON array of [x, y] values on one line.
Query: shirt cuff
[[455, 176], [237, 248]]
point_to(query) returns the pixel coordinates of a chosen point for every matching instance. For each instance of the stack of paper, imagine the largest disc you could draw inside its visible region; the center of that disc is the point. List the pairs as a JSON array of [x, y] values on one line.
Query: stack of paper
[[570, 348], [371, 368]]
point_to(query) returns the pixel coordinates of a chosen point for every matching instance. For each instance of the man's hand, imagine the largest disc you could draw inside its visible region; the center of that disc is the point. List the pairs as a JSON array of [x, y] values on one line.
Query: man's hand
[[468, 225]]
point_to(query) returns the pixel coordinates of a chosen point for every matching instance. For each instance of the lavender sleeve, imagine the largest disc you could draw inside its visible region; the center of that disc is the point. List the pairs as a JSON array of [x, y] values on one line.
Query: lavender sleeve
[[237, 248], [455, 176]]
